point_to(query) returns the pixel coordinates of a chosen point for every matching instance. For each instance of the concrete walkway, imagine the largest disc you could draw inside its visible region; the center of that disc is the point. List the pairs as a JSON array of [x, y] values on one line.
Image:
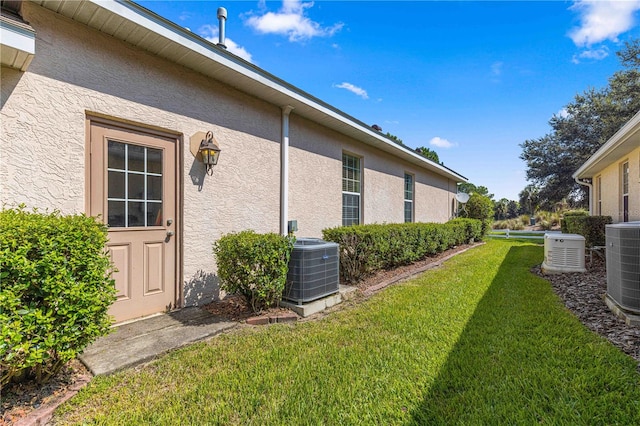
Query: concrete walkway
[[141, 341]]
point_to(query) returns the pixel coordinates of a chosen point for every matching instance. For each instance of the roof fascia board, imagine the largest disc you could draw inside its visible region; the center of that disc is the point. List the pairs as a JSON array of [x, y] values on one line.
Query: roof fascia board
[[16, 39], [147, 19], [621, 136]]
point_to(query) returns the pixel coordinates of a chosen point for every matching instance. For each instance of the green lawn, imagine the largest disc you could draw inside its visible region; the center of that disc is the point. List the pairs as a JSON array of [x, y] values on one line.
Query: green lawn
[[478, 341]]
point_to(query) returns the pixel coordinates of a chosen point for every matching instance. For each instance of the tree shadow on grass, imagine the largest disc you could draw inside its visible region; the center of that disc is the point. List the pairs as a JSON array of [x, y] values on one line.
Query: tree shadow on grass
[[523, 359]]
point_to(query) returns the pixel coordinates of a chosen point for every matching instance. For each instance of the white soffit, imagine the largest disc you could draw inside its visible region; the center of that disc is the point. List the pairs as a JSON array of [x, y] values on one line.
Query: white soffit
[[17, 42], [621, 144], [140, 27]]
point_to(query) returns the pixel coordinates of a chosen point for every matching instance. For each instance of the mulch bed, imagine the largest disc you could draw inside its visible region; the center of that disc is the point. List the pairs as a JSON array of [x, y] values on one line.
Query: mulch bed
[[581, 293]]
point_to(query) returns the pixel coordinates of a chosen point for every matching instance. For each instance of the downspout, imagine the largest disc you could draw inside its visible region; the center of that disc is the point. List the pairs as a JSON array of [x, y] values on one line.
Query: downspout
[[590, 186], [284, 170]]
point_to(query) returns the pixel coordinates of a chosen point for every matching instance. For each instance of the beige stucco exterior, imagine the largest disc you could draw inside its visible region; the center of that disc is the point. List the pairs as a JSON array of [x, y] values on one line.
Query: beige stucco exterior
[[78, 73], [610, 197]]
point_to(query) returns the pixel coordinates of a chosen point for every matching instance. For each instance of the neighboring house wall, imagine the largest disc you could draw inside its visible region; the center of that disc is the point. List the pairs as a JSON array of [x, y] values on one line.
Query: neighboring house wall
[[78, 73], [612, 188]]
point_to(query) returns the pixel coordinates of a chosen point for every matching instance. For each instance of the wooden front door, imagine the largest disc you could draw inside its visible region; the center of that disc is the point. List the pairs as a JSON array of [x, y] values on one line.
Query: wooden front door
[[133, 189]]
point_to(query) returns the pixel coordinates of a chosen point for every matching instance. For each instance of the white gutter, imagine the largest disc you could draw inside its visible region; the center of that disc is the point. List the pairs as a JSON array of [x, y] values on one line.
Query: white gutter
[[17, 43], [284, 170], [590, 186]]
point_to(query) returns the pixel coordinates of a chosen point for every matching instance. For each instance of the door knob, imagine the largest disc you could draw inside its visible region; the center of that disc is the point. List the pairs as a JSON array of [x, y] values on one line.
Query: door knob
[[170, 233]]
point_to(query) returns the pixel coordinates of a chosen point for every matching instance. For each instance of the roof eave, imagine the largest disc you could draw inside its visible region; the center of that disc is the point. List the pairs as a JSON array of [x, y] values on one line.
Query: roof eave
[[17, 42], [218, 63], [621, 143]]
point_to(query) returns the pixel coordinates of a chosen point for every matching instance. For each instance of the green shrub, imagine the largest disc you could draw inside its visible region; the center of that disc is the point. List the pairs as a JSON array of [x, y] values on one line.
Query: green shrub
[[473, 228], [542, 215], [55, 291], [481, 208], [525, 219], [513, 224], [545, 225], [254, 266], [367, 248], [570, 214], [592, 228]]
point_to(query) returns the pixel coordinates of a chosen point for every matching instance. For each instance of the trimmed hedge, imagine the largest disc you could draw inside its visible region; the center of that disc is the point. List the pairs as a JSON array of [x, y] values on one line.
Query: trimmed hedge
[[254, 266], [55, 291], [568, 215], [367, 248], [592, 228]]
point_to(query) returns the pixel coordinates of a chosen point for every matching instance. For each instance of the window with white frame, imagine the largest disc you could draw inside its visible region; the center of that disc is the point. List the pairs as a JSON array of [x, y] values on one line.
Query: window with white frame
[[408, 197], [625, 192], [351, 190]]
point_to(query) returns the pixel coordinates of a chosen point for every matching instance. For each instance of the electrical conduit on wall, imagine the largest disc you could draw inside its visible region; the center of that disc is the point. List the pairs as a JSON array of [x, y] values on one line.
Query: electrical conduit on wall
[[284, 170]]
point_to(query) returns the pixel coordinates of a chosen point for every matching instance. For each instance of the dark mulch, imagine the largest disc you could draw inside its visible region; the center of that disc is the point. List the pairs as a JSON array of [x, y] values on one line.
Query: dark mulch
[[583, 294], [235, 308], [19, 399]]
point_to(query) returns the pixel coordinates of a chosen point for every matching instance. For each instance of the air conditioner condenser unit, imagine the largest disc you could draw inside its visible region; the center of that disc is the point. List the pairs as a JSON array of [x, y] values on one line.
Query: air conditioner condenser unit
[[623, 265], [563, 253]]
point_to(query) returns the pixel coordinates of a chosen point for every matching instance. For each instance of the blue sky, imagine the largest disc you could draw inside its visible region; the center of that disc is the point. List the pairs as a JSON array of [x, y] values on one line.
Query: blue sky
[[470, 80]]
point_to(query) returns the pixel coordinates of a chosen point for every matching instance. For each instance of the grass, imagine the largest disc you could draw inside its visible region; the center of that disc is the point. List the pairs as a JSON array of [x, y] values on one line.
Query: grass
[[478, 341]]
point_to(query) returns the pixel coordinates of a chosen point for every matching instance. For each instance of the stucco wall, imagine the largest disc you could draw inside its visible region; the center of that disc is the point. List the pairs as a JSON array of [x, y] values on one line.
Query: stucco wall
[[43, 135], [315, 182], [78, 72], [612, 189]]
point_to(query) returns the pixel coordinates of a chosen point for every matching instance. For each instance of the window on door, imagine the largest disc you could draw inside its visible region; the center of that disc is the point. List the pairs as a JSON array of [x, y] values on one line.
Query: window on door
[[351, 190], [134, 197], [408, 197], [625, 192]]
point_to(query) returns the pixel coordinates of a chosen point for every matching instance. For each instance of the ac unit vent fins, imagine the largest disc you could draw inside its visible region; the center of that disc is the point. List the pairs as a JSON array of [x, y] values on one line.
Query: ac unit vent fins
[[623, 264]]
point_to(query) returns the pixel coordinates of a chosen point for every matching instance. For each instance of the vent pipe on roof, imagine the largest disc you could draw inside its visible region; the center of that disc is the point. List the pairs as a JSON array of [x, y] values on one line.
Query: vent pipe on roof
[[222, 18]]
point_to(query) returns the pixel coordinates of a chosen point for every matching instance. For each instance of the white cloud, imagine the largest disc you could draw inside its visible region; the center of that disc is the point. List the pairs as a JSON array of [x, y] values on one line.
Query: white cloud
[[602, 20], [496, 69], [291, 21], [210, 33], [592, 54], [563, 113], [441, 143], [353, 89]]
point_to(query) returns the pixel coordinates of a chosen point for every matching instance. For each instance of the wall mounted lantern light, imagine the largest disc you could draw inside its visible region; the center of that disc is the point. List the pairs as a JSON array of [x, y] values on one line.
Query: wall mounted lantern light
[[207, 148]]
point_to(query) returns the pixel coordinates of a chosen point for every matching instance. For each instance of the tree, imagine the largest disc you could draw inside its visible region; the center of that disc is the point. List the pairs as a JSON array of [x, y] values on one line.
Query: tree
[[469, 188], [500, 209], [584, 125], [429, 154], [529, 199], [479, 207], [423, 151], [513, 209], [394, 138]]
